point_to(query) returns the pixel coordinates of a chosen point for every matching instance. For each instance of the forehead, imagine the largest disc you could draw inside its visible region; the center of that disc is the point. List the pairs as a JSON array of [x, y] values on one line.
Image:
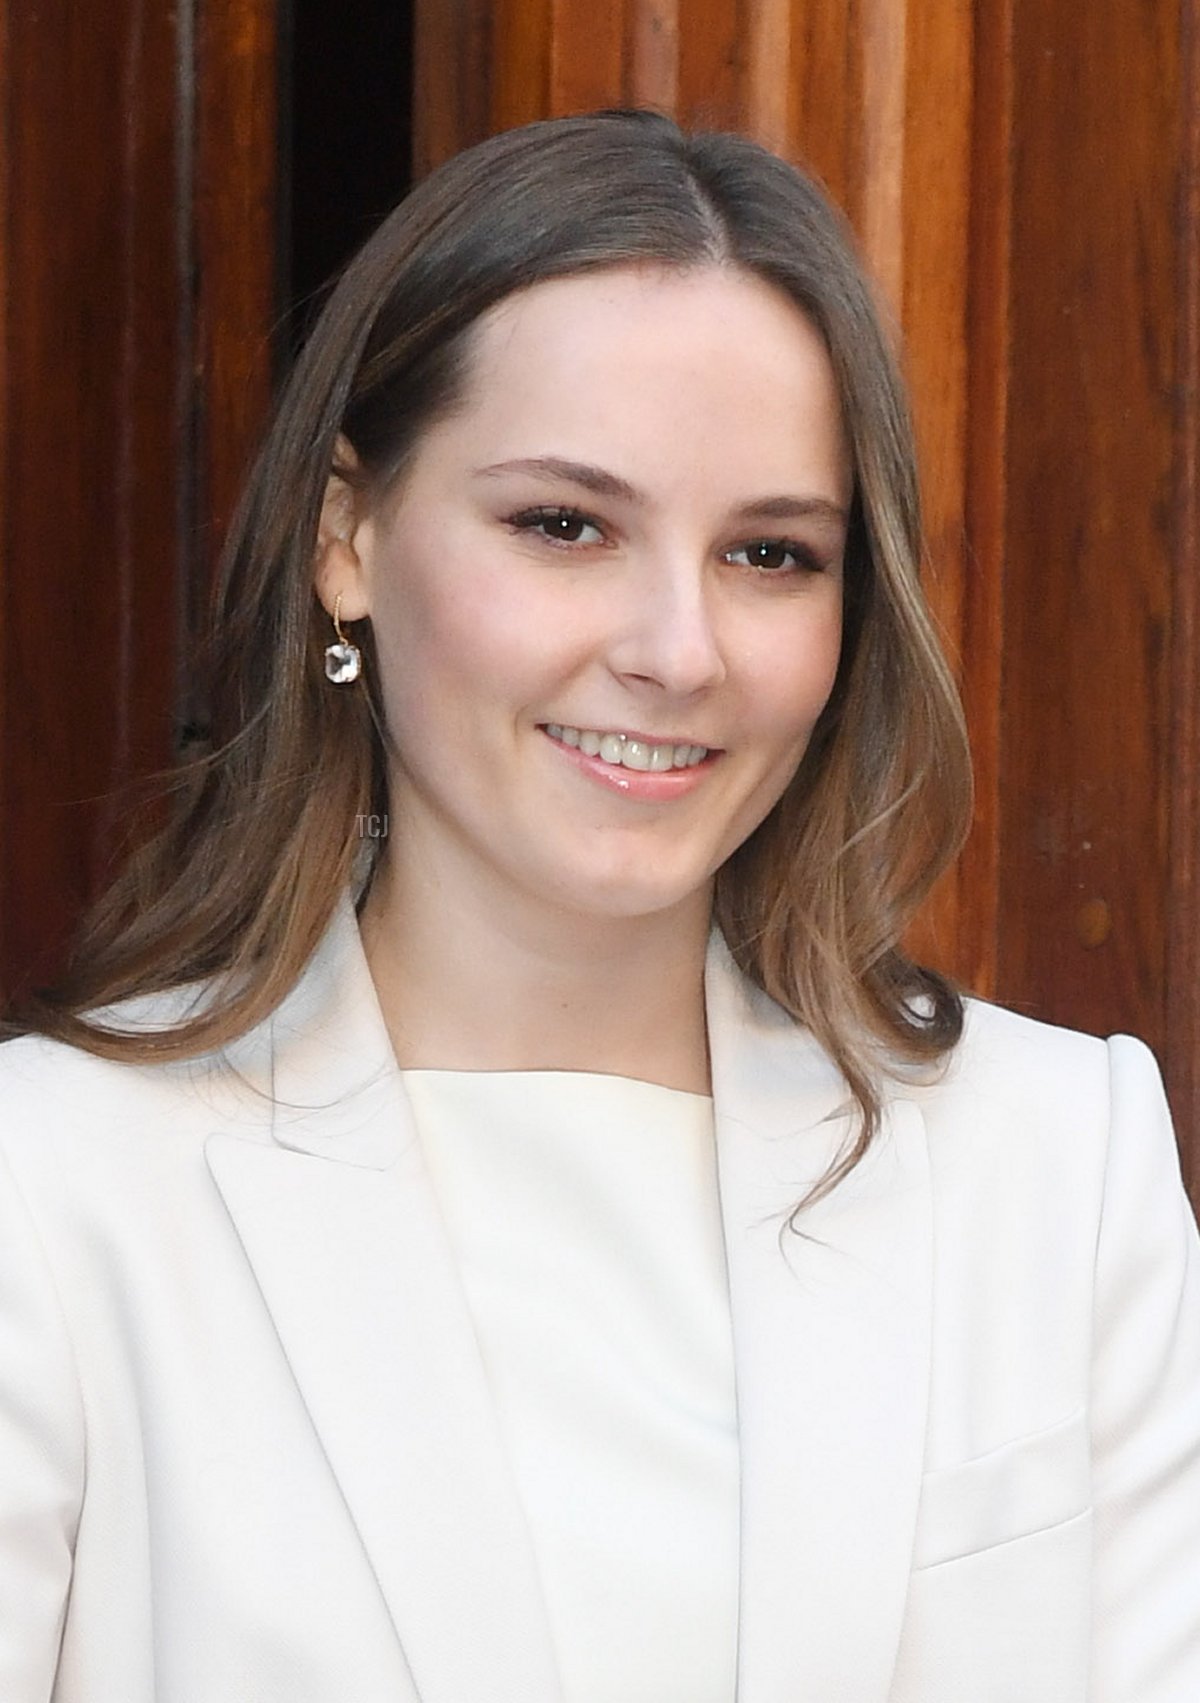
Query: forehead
[[718, 320], [659, 374]]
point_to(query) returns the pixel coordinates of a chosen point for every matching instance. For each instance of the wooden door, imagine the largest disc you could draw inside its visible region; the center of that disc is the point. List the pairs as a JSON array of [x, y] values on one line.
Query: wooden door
[[137, 294]]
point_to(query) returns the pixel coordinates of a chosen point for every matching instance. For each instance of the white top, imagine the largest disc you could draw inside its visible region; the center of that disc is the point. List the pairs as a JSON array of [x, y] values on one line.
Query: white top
[[585, 1217]]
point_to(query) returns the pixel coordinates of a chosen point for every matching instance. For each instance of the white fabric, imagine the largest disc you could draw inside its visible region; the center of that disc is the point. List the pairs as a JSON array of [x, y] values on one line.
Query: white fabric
[[248, 1451], [586, 1225]]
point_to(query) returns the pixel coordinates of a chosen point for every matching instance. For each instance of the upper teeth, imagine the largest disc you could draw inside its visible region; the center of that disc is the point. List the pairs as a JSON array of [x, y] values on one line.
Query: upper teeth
[[631, 753]]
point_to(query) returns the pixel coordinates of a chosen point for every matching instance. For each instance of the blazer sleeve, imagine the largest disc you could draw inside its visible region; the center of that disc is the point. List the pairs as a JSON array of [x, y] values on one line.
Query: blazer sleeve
[[41, 1457], [1145, 1404]]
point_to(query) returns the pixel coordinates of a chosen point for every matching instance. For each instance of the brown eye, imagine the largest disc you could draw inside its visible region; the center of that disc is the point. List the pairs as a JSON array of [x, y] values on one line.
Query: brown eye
[[564, 524], [776, 556], [560, 526], [770, 554]]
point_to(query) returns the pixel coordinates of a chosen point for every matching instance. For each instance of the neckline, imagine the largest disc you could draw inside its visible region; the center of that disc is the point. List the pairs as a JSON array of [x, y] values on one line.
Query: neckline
[[599, 1081]]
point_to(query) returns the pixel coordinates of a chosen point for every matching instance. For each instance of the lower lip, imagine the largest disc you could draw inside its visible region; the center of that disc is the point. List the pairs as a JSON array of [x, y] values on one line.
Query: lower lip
[[648, 784]]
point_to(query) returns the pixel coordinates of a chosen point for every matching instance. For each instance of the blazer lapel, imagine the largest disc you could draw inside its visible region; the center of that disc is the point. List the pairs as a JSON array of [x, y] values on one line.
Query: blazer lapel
[[326, 1187], [831, 1343], [339, 1224]]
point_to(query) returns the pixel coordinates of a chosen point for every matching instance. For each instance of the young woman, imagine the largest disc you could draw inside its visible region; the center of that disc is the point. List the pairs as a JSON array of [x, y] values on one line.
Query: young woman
[[494, 1217]]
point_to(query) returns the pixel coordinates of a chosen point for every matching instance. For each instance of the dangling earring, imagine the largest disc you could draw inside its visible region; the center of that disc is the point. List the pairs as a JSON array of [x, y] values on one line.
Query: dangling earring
[[343, 661]]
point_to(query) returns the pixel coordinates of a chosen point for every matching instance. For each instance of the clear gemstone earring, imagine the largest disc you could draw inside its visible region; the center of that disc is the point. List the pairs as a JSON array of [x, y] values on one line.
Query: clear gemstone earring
[[343, 661]]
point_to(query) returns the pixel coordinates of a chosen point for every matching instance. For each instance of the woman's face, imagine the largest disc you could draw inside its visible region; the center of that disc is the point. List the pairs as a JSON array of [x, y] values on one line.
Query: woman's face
[[607, 594]]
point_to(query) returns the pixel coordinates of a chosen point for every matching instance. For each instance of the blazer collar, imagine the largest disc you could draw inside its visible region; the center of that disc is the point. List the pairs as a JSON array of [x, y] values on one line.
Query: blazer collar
[[830, 1330], [341, 1228], [322, 1066]]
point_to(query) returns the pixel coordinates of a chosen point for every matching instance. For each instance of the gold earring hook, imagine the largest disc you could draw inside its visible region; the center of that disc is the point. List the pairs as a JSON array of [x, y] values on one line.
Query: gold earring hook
[[337, 625]]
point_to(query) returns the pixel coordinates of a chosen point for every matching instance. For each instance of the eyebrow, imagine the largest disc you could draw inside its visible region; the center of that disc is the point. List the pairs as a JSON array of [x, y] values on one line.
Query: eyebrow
[[553, 467], [793, 508], [601, 483]]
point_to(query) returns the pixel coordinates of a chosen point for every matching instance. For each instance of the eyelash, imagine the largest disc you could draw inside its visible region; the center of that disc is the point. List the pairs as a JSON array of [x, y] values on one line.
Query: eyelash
[[533, 520], [806, 560], [530, 520]]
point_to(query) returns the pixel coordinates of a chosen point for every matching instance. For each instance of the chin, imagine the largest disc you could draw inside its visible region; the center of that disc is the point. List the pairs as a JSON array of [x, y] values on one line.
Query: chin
[[623, 898]]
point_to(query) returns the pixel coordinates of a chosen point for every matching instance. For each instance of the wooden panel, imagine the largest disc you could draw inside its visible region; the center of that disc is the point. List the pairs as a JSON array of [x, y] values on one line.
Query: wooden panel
[[1183, 915], [711, 44], [825, 87], [916, 225], [522, 33], [589, 59], [451, 90], [89, 469], [237, 300], [653, 54], [9, 634], [985, 486], [766, 65], [882, 110], [135, 330], [1083, 874]]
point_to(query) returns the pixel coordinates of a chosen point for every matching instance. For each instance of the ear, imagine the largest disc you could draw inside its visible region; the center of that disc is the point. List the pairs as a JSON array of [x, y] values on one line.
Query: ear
[[337, 566]]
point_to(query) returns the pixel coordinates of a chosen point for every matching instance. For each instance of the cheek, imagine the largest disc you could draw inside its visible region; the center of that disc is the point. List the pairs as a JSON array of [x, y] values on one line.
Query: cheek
[[796, 678], [451, 656]]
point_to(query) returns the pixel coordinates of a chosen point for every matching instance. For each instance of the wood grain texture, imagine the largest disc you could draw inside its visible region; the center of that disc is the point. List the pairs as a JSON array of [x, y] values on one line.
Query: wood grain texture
[[1183, 917], [767, 72], [917, 226], [236, 302], [653, 54], [1091, 451], [589, 59], [10, 823], [825, 69], [88, 566], [522, 39], [451, 88], [883, 115], [139, 232], [711, 46], [985, 486]]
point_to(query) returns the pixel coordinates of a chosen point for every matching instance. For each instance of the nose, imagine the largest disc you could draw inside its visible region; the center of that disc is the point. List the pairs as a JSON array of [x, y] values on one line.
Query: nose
[[669, 632]]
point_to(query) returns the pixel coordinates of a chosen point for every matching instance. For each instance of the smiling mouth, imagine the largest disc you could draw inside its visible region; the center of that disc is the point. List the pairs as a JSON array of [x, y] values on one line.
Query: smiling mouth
[[627, 752]]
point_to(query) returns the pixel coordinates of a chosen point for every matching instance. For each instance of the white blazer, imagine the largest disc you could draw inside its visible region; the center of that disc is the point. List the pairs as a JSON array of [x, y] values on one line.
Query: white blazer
[[247, 1453]]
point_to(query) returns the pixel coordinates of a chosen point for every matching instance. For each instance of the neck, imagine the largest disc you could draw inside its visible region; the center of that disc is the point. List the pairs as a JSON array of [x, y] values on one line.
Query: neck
[[487, 982]]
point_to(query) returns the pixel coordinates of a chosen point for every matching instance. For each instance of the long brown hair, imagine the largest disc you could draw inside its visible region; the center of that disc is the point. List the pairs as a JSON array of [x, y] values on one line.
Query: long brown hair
[[238, 888]]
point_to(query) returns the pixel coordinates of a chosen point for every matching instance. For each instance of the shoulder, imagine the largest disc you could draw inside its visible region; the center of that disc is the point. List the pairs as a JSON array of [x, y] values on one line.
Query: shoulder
[[41, 1078], [1025, 1106], [1008, 1074], [1021, 1063], [1017, 1057], [61, 1106]]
